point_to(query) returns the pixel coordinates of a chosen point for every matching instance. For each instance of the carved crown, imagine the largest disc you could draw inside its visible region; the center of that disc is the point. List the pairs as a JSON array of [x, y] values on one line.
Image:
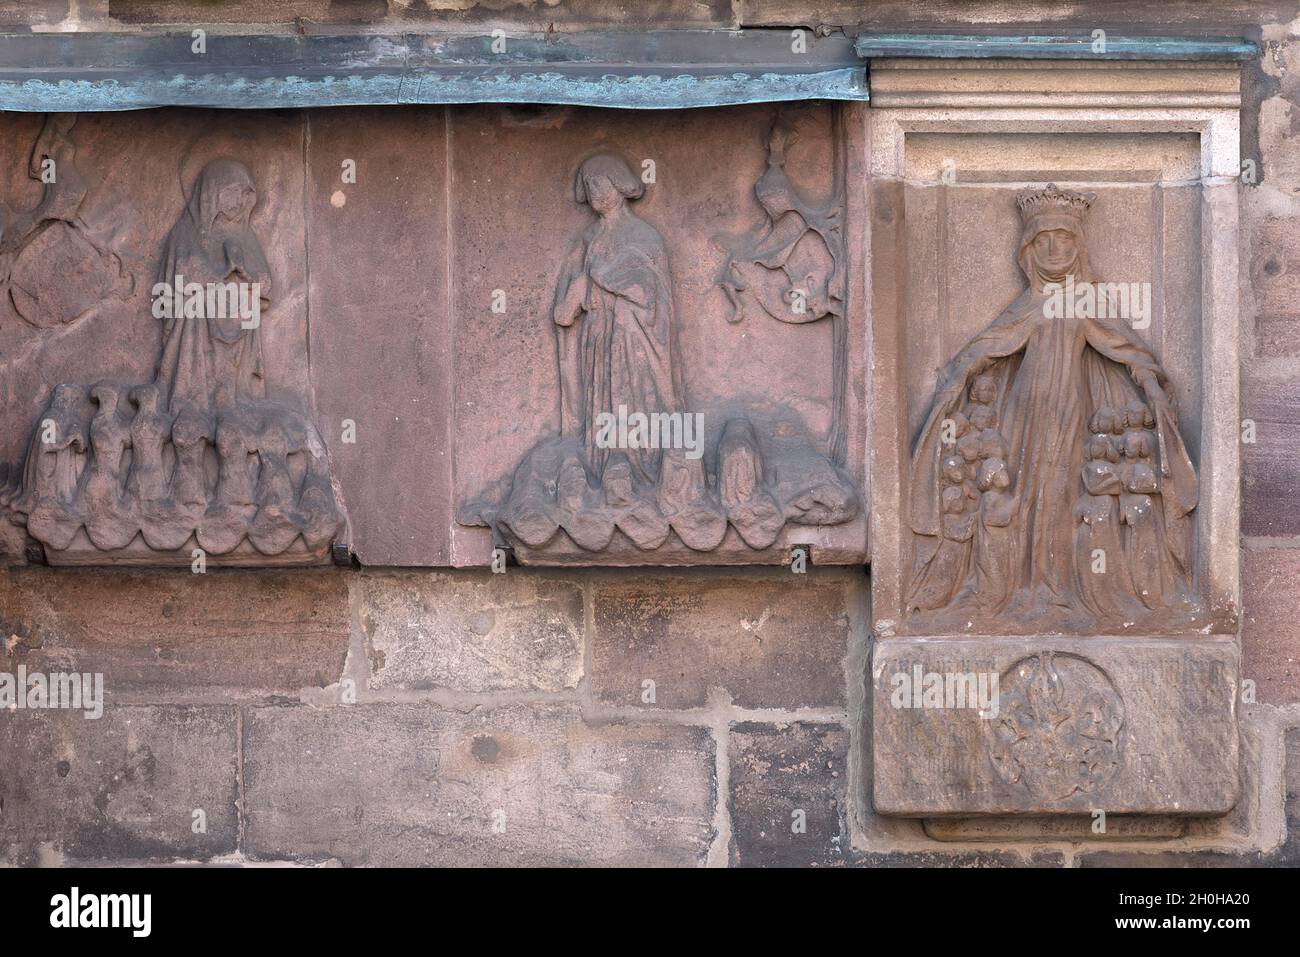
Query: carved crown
[[1050, 198]]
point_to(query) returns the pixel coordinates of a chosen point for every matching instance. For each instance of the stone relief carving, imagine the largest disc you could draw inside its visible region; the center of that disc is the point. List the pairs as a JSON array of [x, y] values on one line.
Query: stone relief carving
[[1050, 486], [615, 325], [1059, 730], [54, 268], [199, 456], [792, 265]]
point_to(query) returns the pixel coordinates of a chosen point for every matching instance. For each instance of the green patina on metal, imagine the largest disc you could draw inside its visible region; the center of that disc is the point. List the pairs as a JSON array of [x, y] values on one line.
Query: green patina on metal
[[665, 69], [644, 70], [1089, 47]]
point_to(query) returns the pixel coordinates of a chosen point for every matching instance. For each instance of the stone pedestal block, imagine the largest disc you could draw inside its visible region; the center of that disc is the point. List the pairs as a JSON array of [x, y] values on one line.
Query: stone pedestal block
[[966, 726]]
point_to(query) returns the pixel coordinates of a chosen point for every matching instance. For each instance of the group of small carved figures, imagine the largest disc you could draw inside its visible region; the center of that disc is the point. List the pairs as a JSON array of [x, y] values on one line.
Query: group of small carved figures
[[1116, 538], [1050, 484], [198, 456], [1050, 474], [110, 461]]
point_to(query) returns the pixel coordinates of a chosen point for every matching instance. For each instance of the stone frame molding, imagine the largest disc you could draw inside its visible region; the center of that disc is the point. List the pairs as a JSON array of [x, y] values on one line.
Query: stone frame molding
[[911, 97]]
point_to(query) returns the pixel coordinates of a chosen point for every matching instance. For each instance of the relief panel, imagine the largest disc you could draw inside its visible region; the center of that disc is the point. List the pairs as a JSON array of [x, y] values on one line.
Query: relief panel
[[1054, 569], [678, 385], [568, 332], [174, 428]]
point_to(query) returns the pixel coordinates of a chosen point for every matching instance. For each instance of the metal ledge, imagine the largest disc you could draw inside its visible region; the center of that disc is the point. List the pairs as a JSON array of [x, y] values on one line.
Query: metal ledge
[[673, 69], [950, 46]]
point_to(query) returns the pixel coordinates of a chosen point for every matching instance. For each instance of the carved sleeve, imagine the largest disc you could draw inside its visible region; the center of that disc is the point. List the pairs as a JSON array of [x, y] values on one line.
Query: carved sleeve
[[1116, 342], [1006, 335], [570, 291]]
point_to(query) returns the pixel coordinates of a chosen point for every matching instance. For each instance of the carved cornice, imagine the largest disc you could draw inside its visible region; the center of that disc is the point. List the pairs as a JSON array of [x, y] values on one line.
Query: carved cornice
[[952, 46], [1062, 85]]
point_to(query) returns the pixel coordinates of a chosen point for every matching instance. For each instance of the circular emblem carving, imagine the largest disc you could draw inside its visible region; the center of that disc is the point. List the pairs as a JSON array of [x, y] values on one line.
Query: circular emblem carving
[[1059, 729]]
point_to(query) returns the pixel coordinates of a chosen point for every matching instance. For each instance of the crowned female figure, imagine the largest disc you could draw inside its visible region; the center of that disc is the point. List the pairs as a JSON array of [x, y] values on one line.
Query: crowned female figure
[[1053, 369]]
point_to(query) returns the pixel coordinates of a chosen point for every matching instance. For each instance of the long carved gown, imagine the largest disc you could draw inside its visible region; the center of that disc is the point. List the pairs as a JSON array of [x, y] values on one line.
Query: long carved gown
[[1052, 373], [207, 361], [621, 350]]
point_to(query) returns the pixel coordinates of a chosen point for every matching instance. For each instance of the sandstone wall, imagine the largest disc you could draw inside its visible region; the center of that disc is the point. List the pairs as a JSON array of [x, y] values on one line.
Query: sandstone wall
[[419, 716]]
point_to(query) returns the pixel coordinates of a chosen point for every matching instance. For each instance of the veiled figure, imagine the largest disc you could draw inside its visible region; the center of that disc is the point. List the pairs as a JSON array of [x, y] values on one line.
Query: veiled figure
[[1032, 393], [208, 360], [199, 456], [614, 309]]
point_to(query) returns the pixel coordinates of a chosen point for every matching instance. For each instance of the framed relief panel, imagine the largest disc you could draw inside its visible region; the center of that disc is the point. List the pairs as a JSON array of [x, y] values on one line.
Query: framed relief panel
[[658, 355], [1054, 569]]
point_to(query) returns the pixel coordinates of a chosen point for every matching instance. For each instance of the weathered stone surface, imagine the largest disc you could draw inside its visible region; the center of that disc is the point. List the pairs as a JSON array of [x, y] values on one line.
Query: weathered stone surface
[[963, 859], [124, 786], [1270, 629], [895, 15], [1270, 466], [429, 369], [167, 421], [1275, 283], [237, 632], [1127, 726], [1291, 850], [788, 794], [771, 639], [409, 784], [1009, 466], [1255, 810], [404, 350], [13, 544], [1285, 855], [380, 329], [33, 13], [1117, 827], [472, 631], [1085, 434], [533, 15]]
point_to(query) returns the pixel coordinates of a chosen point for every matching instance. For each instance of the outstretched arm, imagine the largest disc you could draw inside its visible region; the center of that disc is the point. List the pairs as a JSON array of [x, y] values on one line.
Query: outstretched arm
[[1116, 341], [1007, 334]]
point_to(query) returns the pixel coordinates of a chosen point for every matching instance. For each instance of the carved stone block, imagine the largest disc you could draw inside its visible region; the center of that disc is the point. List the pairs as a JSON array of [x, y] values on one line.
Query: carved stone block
[[1070, 726], [380, 333]]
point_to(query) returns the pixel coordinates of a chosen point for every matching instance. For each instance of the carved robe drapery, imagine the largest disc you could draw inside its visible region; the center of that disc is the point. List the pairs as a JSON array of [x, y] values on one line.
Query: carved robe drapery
[[199, 456], [208, 360], [618, 467], [620, 350], [1050, 374]]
